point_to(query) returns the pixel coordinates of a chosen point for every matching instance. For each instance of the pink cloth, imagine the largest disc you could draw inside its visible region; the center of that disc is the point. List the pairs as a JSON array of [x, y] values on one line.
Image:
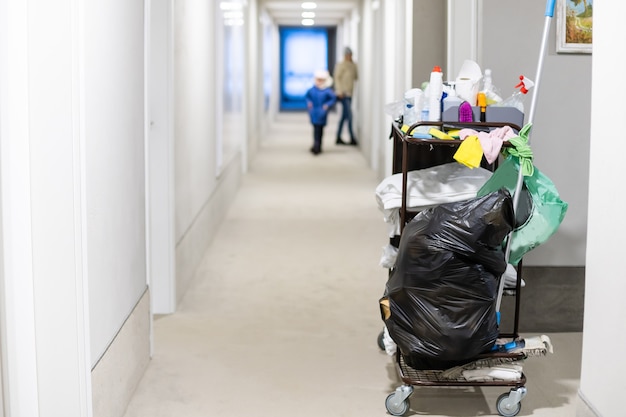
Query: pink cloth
[[491, 142]]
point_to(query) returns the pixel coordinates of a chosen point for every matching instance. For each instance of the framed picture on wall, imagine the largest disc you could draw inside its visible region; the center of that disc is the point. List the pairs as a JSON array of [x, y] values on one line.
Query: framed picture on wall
[[574, 26]]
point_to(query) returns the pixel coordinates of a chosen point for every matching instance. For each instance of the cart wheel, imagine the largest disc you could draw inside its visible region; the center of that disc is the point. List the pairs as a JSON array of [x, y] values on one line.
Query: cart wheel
[[381, 343], [396, 409], [505, 407]]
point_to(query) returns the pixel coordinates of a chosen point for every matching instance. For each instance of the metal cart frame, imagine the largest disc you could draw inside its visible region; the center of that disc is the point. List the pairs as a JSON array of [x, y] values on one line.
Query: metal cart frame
[[509, 403], [409, 154]]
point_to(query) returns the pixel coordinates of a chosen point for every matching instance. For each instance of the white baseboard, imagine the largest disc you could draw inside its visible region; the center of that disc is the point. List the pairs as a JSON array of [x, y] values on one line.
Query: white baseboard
[[583, 409], [116, 375], [190, 249]]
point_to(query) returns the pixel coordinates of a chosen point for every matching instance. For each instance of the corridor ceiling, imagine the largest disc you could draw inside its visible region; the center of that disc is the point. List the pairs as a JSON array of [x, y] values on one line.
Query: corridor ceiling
[[327, 12]]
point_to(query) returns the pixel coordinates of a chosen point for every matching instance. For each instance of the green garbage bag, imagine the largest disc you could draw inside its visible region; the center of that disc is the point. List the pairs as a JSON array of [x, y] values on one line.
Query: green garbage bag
[[540, 210]]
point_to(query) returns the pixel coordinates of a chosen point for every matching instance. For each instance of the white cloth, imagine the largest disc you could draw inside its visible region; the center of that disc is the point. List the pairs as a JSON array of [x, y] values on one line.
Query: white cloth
[[389, 256], [428, 187], [510, 277], [390, 345], [505, 372], [536, 344]]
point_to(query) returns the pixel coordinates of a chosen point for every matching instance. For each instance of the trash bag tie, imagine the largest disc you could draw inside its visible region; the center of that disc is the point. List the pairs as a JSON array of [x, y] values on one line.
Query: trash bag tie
[[521, 149]]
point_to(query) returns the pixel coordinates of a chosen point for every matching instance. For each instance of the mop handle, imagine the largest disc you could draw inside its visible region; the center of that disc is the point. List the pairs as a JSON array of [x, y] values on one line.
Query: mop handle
[[531, 117], [550, 8], [550, 4], [520, 177]]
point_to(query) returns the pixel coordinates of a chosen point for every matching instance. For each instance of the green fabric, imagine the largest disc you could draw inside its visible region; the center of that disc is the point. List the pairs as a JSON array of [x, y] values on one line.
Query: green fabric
[[548, 210], [521, 149]]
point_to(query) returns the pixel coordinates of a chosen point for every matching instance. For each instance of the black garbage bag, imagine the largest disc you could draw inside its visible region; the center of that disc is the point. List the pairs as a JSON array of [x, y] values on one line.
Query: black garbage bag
[[439, 301]]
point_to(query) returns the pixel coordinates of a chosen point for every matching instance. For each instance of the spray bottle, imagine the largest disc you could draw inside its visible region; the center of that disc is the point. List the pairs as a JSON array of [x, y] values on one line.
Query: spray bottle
[[517, 99]]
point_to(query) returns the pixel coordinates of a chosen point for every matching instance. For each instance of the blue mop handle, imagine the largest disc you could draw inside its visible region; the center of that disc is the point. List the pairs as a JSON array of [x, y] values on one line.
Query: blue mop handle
[[550, 8]]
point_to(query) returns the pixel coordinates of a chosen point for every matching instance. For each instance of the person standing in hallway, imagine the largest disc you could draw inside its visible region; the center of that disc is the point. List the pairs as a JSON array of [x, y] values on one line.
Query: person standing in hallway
[[346, 73], [319, 99]]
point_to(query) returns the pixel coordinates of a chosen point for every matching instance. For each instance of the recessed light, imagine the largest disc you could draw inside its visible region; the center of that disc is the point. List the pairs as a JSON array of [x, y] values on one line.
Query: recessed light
[[308, 15], [233, 15], [309, 5], [230, 5], [308, 22]]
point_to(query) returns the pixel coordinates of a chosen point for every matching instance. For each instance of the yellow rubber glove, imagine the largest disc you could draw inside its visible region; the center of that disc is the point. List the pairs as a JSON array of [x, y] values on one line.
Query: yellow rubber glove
[[470, 152]]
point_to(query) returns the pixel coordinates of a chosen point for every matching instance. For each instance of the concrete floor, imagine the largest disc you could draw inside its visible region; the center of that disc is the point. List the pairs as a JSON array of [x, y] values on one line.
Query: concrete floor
[[282, 318]]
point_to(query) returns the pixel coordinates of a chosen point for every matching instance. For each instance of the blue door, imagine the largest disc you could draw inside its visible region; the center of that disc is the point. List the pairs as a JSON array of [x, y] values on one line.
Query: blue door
[[302, 51]]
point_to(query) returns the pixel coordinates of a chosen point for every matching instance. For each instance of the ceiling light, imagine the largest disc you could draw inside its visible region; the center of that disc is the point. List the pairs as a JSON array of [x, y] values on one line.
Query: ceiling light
[[230, 5], [308, 15], [233, 22], [309, 5], [233, 15], [308, 22]]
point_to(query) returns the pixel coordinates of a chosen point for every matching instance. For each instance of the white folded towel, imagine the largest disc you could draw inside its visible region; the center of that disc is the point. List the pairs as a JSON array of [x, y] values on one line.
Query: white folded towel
[[505, 372], [428, 187]]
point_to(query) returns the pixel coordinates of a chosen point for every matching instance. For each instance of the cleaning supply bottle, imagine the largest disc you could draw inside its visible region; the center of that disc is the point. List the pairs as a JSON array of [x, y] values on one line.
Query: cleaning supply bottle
[[490, 91], [412, 106], [506, 347], [451, 100], [517, 99], [482, 103], [435, 89]]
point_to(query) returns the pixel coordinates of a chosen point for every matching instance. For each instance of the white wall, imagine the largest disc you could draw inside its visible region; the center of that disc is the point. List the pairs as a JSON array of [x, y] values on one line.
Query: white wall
[[428, 17], [372, 116], [379, 82], [395, 56], [254, 99], [195, 146], [208, 151], [1, 383], [43, 316], [601, 375], [232, 90], [267, 68], [73, 190], [195, 92], [462, 35], [114, 127], [73, 212], [160, 156]]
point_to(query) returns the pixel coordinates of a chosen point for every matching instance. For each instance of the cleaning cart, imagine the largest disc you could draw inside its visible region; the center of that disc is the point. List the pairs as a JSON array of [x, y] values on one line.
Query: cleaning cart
[[415, 152], [397, 403]]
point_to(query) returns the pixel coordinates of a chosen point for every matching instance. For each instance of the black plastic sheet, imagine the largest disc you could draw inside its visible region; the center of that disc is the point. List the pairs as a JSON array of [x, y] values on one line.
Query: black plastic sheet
[[439, 301]]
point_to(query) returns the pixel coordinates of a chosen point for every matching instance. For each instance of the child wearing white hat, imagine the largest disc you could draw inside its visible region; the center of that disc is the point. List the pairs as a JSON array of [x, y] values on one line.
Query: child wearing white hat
[[319, 99]]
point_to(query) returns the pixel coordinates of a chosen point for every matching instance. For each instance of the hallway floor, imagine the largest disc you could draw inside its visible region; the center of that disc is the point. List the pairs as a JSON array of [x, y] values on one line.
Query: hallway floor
[[282, 317]]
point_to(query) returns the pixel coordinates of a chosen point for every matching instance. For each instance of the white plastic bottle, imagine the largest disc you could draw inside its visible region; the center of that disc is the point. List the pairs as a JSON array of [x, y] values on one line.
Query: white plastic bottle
[[488, 82], [435, 87], [452, 100], [412, 106], [489, 89]]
